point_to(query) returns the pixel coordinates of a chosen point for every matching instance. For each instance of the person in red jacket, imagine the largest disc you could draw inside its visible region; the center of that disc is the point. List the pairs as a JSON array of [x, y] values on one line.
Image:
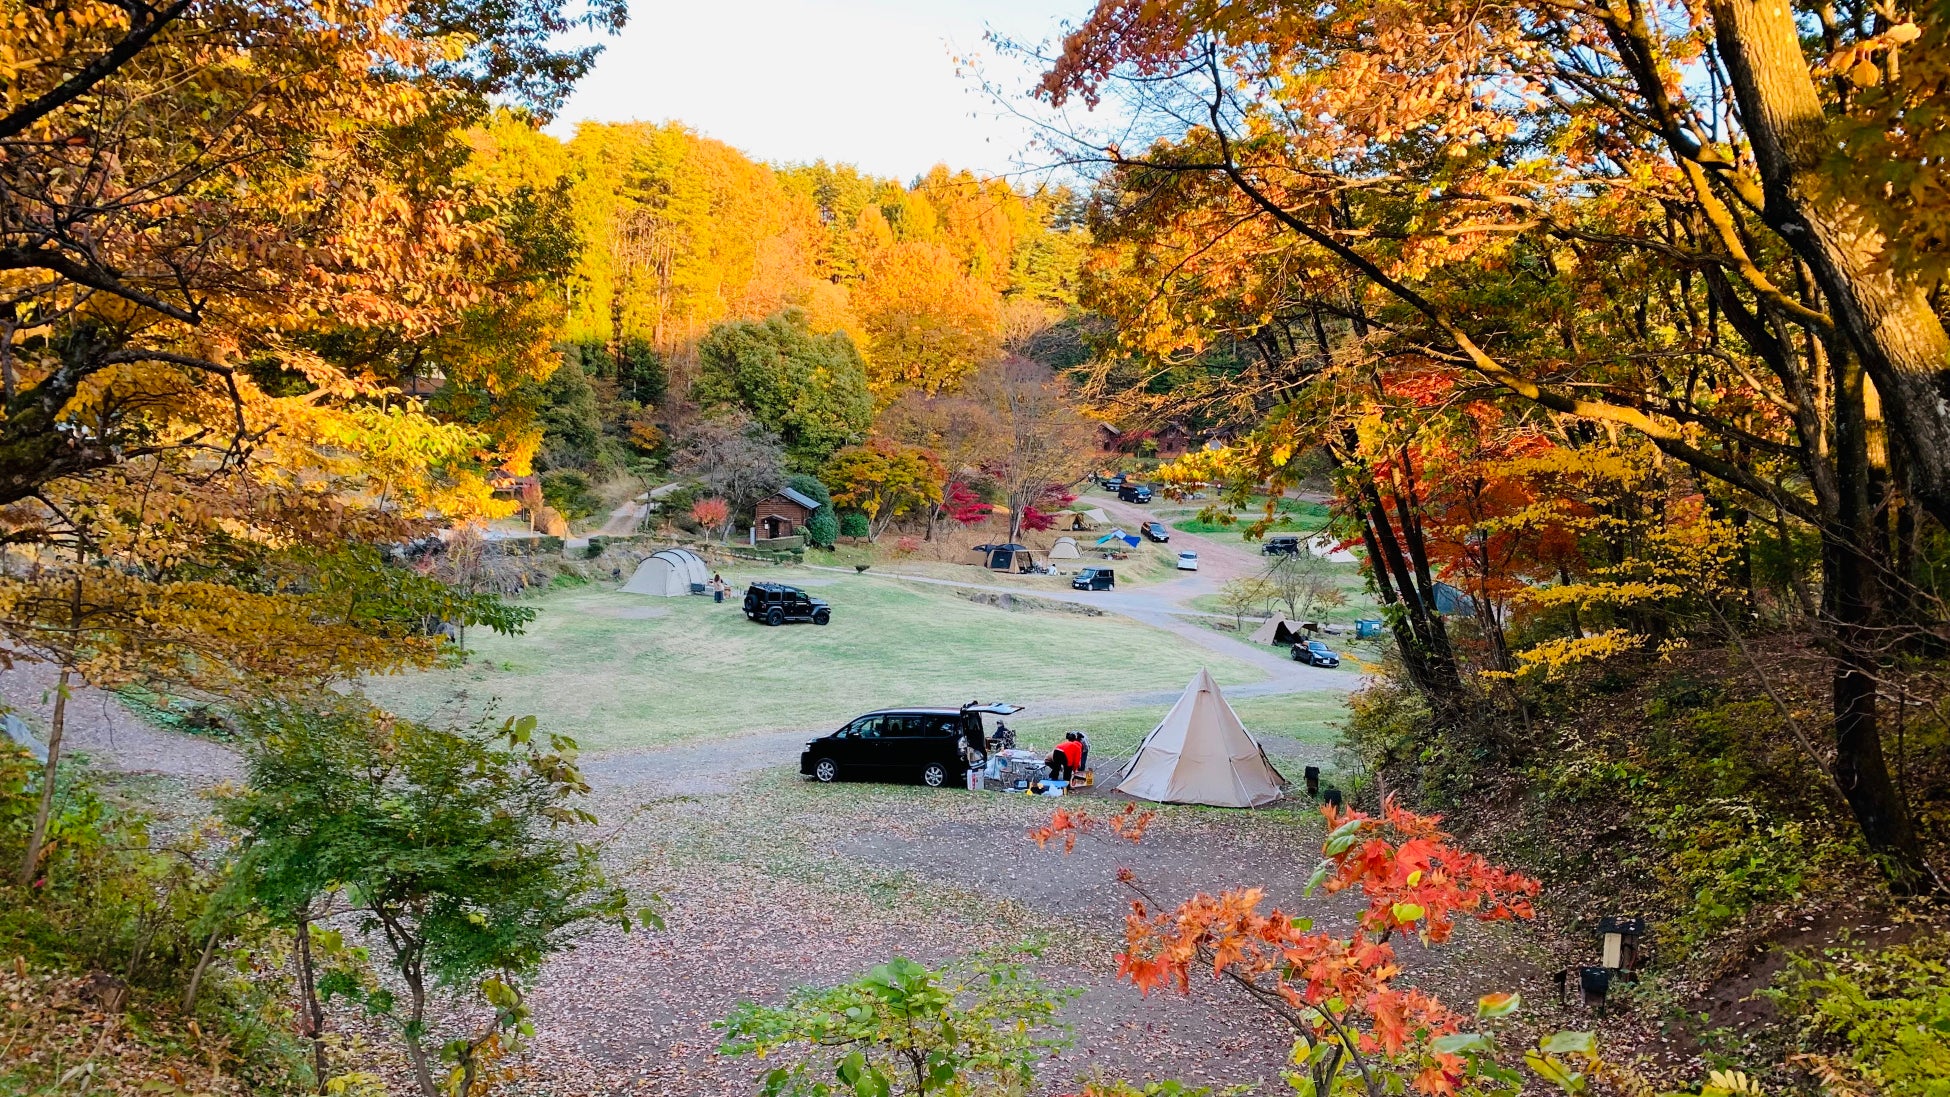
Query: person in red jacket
[[1071, 748]]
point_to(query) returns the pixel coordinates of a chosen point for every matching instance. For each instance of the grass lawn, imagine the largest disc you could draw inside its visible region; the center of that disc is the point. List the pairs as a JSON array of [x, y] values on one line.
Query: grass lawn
[[621, 671]]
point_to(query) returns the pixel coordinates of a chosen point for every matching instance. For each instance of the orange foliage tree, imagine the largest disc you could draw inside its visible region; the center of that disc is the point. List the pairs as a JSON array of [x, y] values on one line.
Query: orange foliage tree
[[1355, 1025]]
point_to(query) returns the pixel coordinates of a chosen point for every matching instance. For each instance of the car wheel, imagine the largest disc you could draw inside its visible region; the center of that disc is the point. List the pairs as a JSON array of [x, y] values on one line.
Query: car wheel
[[775, 616], [934, 775], [822, 617], [826, 771]]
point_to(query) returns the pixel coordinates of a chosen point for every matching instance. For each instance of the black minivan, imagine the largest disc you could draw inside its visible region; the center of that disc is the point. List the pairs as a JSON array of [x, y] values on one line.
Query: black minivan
[[937, 745], [1134, 493], [1094, 579]]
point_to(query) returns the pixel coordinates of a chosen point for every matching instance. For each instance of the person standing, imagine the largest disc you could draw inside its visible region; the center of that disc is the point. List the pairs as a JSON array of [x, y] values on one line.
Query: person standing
[[718, 587]]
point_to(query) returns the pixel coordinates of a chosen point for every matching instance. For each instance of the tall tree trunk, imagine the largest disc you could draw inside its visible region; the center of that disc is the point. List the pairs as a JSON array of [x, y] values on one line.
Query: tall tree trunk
[[1861, 769], [1851, 586], [1882, 310]]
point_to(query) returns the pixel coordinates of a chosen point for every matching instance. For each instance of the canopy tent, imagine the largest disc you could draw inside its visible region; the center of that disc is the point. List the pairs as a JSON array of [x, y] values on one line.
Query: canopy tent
[[668, 573], [1007, 557], [1279, 630], [1065, 548], [1201, 754], [1130, 539], [1088, 519]]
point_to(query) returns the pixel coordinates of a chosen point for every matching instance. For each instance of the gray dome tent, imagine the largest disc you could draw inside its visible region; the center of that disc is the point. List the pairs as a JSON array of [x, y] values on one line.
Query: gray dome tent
[[668, 573]]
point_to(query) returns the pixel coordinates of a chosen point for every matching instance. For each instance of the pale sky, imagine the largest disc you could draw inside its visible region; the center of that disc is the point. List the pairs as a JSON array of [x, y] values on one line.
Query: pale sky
[[866, 82]]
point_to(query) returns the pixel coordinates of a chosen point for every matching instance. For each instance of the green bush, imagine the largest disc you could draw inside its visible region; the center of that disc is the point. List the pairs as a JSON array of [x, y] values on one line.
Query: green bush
[[569, 492], [1885, 1012], [823, 528], [853, 524]]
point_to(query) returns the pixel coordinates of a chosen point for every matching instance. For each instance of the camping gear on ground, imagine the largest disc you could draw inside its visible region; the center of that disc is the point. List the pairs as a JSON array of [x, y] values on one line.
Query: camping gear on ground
[[1201, 754], [1019, 768], [1279, 630], [669, 573]]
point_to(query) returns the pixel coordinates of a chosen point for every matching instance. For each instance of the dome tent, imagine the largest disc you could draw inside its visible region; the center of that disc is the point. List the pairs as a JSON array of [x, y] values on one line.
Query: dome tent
[[1065, 548], [1201, 754], [668, 573]]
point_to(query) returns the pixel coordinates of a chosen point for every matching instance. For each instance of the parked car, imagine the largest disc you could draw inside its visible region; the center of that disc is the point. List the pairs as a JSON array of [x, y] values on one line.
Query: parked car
[[937, 745], [1094, 579], [1157, 531], [1113, 484], [776, 603], [1280, 546], [1134, 493], [1315, 654], [1188, 561]]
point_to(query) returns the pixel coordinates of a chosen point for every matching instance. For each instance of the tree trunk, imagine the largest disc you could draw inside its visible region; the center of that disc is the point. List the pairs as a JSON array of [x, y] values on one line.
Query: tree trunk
[[314, 1013], [44, 811], [415, 1049], [1883, 312], [1861, 770], [202, 965]]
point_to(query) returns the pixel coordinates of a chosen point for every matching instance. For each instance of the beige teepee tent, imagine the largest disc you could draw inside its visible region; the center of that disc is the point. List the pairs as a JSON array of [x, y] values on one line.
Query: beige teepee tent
[[1201, 754], [1278, 630]]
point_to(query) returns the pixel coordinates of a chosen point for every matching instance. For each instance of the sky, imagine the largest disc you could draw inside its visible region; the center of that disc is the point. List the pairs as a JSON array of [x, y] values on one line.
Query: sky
[[867, 82]]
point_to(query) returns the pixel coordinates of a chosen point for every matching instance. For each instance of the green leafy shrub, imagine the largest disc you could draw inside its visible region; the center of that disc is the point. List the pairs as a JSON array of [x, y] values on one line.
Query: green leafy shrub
[[1884, 1012], [979, 1027], [823, 529], [569, 492], [853, 524]]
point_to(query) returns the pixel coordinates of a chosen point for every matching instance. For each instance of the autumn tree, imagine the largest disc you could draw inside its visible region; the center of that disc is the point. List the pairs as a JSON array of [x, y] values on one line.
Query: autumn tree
[[735, 457], [1042, 445], [1328, 194], [929, 323], [809, 389], [883, 481]]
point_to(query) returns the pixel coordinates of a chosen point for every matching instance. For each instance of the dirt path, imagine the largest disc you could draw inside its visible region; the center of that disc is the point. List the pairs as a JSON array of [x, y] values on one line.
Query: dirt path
[[101, 727]]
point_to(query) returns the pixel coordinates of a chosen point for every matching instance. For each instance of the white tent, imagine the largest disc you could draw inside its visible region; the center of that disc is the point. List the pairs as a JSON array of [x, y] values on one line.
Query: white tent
[[1065, 548], [668, 573], [1279, 630], [1201, 754]]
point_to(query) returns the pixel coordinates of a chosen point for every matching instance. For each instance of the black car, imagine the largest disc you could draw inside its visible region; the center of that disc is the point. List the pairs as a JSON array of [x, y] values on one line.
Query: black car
[[1134, 493], [1113, 483], [776, 603], [1156, 531], [937, 745], [1280, 546], [1315, 654], [1094, 579]]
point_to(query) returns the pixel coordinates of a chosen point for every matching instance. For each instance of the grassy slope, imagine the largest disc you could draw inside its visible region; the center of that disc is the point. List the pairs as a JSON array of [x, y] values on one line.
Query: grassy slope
[[596, 666]]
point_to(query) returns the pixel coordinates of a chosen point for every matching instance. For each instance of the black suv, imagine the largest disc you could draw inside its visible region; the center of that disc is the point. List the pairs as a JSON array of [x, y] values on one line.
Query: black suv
[[1113, 483], [1156, 531], [776, 603], [938, 745], [1280, 546], [1134, 493]]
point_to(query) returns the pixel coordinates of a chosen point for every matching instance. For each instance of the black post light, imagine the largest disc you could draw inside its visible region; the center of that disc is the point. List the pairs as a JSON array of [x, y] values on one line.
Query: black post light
[[1331, 797], [1313, 782]]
